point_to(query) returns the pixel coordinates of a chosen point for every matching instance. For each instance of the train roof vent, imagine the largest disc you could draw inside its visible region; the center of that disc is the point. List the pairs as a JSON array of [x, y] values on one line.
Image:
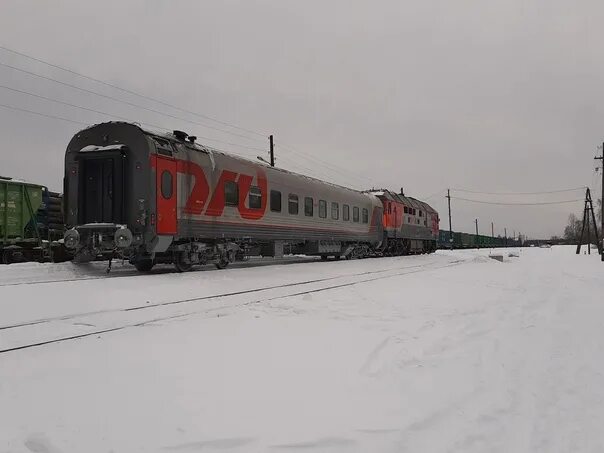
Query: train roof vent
[[192, 138], [180, 135]]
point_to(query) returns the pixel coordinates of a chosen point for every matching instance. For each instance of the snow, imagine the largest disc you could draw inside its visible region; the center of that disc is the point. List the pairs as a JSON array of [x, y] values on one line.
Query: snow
[[437, 353]]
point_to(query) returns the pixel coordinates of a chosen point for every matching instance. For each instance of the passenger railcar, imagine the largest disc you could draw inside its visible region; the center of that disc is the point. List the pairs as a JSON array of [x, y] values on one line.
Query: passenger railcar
[[155, 198]]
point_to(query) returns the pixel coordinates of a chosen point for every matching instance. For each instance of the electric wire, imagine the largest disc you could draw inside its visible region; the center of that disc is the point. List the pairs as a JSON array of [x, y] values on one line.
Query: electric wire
[[441, 191], [134, 93], [12, 107], [85, 90], [518, 204], [520, 193], [318, 161], [155, 126], [308, 157]]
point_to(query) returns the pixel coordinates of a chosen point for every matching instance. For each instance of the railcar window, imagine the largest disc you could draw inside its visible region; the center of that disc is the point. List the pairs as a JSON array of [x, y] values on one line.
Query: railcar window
[[275, 201], [308, 210], [323, 209], [420, 213], [292, 202], [406, 210], [231, 193], [335, 210], [255, 198], [365, 216], [355, 214], [166, 185], [345, 212]]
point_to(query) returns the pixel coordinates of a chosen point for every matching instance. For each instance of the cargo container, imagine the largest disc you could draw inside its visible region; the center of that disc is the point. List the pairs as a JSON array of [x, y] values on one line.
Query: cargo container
[[31, 222]]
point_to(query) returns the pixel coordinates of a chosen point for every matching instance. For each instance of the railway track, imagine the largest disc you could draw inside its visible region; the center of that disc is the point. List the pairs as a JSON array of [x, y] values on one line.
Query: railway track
[[132, 273], [89, 321]]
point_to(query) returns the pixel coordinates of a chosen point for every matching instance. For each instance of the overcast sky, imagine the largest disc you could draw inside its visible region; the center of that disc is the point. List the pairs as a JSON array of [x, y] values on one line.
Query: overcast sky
[[491, 96]]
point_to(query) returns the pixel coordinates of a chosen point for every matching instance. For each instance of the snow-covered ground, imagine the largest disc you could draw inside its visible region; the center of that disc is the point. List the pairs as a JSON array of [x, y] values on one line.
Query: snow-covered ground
[[451, 352]]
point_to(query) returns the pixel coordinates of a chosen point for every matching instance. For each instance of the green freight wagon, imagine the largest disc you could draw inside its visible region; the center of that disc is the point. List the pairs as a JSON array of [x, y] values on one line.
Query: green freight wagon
[[25, 233]]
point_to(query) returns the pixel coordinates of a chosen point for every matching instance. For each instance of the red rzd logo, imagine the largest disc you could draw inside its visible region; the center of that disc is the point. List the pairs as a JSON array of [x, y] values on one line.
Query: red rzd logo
[[201, 190]]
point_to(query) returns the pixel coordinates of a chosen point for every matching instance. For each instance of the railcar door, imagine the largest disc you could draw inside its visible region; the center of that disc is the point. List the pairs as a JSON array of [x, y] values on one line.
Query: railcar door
[[166, 195]]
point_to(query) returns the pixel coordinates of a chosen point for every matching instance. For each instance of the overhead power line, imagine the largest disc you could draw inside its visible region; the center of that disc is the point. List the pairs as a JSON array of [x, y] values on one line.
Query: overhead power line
[[343, 172], [12, 107], [441, 191], [518, 204], [317, 161], [134, 93], [132, 104], [520, 193], [155, 126]]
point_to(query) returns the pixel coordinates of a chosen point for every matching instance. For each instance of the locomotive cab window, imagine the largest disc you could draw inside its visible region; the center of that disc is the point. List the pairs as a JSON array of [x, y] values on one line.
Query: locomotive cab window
[[166, 184], [323, 209], [365, 215], [345, 212], [231, 193], [335, 210], [405, 210], [308, 202], [275, 201], [255, 198], [355, 214], [292, 203]]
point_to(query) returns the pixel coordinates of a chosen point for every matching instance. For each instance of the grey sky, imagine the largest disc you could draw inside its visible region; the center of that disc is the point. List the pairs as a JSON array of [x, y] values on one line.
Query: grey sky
[[491, 96]]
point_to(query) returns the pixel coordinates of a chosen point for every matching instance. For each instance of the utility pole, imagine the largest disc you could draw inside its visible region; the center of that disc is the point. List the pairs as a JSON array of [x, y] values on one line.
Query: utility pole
[[492, 230], [601, 244], [587, 218], [477, 243], [272, 150], [450, 229], [505, 235]]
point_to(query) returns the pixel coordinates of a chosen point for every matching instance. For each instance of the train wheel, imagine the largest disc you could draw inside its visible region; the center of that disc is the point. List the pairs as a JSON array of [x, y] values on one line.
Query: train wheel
[[323, 257], [6, 257], [180, 263], [225, 259], [144, 265], [222, 264]]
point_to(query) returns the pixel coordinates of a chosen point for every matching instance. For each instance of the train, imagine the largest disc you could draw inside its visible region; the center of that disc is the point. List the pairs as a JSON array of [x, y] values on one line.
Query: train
[[154, 198], [31, 223], [460, 240]]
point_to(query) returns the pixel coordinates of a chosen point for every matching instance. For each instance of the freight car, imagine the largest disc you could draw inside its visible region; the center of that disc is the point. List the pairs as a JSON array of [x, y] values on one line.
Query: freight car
[[467, 240], [162, 198], [31, 222]]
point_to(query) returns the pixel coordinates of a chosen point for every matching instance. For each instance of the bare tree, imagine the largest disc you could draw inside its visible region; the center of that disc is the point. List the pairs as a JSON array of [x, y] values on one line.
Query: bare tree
[[572, 232]]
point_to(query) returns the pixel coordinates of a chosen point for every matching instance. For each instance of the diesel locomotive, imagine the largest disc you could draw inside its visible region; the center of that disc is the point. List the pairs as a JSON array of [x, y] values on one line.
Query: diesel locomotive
[[164, 198]]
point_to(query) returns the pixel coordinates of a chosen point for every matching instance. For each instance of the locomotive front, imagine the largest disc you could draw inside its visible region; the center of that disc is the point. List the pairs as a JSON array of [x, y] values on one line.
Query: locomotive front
[[107, 186]]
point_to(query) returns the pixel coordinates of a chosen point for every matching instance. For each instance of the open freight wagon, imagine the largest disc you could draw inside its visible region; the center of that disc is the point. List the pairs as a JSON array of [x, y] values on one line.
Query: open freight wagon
[[31, 223]]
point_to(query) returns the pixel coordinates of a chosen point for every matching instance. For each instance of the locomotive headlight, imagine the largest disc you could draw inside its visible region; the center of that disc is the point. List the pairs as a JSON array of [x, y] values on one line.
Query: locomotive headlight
[[71, 238], [123, 238]]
